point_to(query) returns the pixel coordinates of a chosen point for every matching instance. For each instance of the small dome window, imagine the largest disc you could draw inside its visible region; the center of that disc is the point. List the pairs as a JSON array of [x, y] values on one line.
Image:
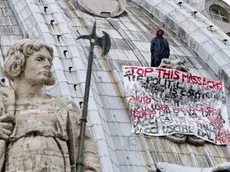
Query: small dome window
[[218, 13]]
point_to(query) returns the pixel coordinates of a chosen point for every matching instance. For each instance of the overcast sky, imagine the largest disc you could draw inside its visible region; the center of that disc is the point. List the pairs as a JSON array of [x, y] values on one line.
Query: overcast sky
[[228, 1]]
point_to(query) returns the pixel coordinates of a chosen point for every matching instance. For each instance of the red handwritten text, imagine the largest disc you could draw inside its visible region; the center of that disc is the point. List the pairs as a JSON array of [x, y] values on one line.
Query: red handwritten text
[[216, 122], [140, 99], [143, 71]]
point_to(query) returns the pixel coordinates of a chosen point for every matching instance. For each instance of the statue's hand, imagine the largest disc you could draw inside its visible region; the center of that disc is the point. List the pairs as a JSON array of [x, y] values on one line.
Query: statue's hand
[[7, 101], [91, 166], [6, 126], [7, 109]]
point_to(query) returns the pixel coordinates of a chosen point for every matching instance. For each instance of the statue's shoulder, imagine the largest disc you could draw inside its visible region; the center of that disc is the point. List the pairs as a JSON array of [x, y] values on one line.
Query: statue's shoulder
[[65, 103]]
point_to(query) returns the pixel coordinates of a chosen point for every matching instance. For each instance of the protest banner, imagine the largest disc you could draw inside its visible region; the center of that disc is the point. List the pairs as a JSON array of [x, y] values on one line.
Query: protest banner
[[165, 101]]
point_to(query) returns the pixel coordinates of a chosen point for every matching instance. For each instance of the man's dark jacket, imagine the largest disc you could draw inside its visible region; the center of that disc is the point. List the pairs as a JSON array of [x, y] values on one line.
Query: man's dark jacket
[[159, 49]]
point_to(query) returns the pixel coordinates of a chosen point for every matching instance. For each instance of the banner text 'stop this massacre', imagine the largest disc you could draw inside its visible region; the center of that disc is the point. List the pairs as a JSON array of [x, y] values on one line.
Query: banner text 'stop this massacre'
[[171, 74], [165, 101]]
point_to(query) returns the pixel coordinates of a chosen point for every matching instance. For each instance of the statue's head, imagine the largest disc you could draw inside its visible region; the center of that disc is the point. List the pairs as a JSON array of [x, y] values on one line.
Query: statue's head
[[31, 59]]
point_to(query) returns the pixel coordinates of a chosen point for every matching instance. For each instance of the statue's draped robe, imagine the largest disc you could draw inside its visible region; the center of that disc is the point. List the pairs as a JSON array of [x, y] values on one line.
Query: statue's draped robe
[[45, 138]]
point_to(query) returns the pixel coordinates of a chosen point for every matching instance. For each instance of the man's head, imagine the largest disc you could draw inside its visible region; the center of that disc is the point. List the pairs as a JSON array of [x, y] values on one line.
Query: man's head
[[30, 59], [159, 33]]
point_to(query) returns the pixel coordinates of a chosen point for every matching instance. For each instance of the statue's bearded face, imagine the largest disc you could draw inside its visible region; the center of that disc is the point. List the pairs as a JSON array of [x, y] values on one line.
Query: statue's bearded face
[[37, 67]]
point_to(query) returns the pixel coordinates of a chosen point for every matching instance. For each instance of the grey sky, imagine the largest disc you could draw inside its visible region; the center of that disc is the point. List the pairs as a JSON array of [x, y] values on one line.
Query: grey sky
[[228, 1]]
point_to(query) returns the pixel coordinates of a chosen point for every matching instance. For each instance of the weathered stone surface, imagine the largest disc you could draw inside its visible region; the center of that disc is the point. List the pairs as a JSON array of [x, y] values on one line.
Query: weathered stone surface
[[103, 8], [45, 129]]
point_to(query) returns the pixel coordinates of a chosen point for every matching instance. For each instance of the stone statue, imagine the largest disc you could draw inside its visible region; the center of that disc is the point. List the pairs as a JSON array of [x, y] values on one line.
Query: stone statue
[[180, 65], [39, 133]]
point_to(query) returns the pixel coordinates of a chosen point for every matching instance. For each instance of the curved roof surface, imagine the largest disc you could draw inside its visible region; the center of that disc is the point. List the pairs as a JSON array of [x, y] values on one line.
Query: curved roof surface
[[119, 149]]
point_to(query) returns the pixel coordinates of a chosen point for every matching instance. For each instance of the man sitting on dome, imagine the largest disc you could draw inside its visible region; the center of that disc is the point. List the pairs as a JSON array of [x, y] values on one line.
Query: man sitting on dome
[[159, 48]]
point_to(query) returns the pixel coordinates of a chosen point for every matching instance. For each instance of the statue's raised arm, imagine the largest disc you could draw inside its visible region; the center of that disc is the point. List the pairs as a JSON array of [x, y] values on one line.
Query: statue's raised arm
[[41, 132]]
